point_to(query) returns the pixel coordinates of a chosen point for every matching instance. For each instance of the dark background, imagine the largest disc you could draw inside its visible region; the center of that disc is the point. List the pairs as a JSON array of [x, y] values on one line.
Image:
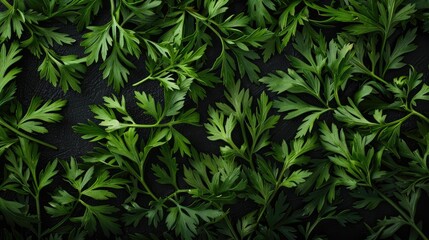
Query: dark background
[[94, 88]]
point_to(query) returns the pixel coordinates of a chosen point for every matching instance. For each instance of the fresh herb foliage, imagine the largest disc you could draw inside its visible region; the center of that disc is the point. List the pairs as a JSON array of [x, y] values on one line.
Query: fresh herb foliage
[[362, 140]]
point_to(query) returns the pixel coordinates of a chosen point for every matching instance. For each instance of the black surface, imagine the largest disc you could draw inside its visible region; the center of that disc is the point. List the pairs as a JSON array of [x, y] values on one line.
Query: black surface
[[94, 88]]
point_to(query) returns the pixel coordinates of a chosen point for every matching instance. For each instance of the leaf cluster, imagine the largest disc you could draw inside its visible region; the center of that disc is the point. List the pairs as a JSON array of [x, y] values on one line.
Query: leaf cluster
[[361, 141]]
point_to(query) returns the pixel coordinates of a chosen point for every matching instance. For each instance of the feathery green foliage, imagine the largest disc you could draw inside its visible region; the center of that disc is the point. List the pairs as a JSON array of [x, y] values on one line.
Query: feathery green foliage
[[343, 129]]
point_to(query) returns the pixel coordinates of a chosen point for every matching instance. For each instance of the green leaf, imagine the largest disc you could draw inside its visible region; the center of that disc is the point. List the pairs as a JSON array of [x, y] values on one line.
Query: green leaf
[[295, 178], [90, 131], [15, 213], [103, 181], [100, 215], [61, 204], [11, 21], [87, 12], [97, 42], [184, 220], [296, 107], [259, 11], [8, 57], [217, 127], [63, 70], [115, 68], [289, 21], [38, 113], [247, 224], [215, 8], [47, 174], [125, 144], [174, 101], [149, 105], [366, 199], [334, 140], [403, 45]]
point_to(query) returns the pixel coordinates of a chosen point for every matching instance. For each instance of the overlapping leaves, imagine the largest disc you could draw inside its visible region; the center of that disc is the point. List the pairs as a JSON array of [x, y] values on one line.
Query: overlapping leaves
[[362, 131]]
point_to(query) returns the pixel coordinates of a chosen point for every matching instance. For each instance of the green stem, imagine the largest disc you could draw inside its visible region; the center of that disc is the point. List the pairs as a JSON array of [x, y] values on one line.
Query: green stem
[[153, 76], [337, 98], [39, 217], [127, 18], [63, 9], [399, 120], [426, 119], [148, 191], [402, 213], [383, 46], [140, 177], [386, 32], [312, 227], [143, 182], [155, 125], [236, 149], [60, 223], [228, 222], [7, 4], [112, 9], [143, 80], [378, 78], [21, 134], [37, 199], [277, 187], [56, 226], [231, 228], [208, 23], [177, 192], [261, 214], [246, 142]]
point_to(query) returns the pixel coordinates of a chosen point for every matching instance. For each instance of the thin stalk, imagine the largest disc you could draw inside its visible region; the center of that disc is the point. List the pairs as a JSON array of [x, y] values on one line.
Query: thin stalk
[[399, 120], [143, 80], [227, 221], [7, 4], [151, 76], [276, 188], [311, 228], [127, 18], [36, 196], [177, 192], [60, 223], [208, 23], [155, 125], [383, 46], [64, 9], [337, 98], [143, 182], [138, 173], [146, 187], [21, 134], [231, 228], [56, 226], [236, 149], [402, 213], [261, 214], [246, 142], [39, 217], [386, 32], [378, 78], [112, 8], [426, 119]]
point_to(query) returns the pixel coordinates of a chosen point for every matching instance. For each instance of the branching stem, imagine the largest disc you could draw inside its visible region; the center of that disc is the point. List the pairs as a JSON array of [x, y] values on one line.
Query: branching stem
[[402, 213], [21, 134]]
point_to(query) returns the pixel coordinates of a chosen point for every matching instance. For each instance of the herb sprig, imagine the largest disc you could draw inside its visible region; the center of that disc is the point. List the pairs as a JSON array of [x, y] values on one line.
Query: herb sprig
[[361, 141]]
